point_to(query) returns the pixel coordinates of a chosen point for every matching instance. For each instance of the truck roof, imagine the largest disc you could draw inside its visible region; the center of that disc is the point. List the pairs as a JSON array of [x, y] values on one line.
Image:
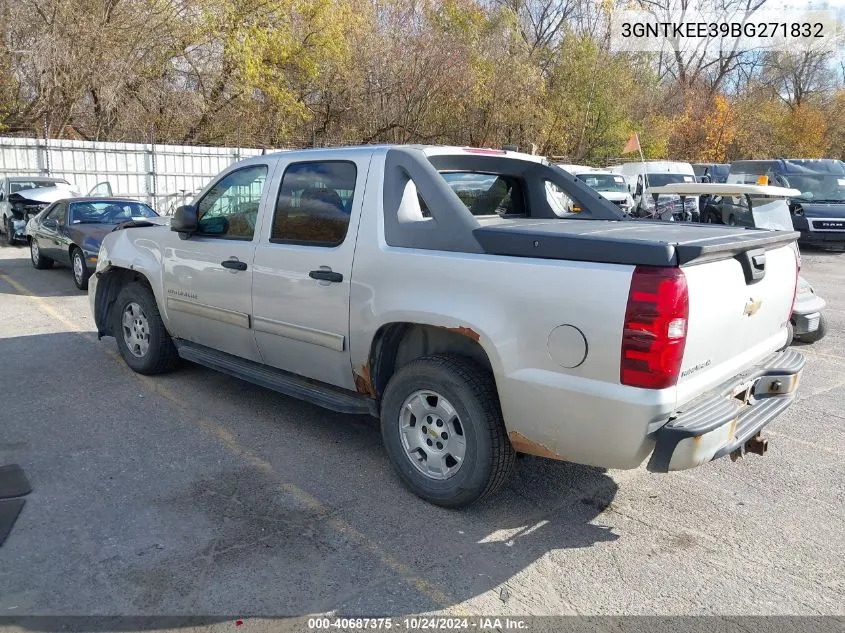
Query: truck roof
[[428, 150]]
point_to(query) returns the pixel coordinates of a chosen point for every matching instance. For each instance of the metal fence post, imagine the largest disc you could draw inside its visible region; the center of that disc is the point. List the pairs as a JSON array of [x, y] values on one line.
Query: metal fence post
[[46, 158], [152, 180]]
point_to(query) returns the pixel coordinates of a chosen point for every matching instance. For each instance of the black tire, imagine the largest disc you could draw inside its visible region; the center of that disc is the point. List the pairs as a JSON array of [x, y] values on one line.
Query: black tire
[[471, 390], [10, 233], [731, 220], [160, 355], [817, 334], [38, 260], [80, 281]]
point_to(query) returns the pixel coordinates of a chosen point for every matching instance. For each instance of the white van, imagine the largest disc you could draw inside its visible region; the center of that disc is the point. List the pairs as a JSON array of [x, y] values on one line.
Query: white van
[[658, 173]]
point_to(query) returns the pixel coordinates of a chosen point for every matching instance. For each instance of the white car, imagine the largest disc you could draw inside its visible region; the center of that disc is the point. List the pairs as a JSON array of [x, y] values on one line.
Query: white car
[[24, 197]]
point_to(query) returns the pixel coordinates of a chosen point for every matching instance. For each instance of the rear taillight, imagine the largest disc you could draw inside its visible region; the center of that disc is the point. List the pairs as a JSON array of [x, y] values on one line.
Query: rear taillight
[[655, 330]]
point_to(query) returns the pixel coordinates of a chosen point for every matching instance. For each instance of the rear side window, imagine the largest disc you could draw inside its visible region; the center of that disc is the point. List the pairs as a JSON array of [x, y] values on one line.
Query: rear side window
[[314, 203], [488, 194]]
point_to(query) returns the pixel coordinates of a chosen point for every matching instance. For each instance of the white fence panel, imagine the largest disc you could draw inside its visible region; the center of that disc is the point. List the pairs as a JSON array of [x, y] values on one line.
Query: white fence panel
[[164, 176]]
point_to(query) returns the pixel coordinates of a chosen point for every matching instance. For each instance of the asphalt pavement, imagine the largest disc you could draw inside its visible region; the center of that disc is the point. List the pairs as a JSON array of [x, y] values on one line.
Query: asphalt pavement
[[198, 494]]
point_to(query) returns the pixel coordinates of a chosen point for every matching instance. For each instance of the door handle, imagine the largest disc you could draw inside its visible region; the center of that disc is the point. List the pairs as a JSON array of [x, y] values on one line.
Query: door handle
[[233, 264], [326, 275]]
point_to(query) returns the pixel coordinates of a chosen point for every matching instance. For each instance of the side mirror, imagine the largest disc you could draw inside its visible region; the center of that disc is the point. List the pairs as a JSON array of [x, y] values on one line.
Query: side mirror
[[50, 223], [807, 195], [184, 221]]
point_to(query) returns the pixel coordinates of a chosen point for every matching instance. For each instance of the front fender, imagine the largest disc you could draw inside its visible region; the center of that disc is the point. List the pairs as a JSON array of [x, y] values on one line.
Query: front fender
[[126, 256]]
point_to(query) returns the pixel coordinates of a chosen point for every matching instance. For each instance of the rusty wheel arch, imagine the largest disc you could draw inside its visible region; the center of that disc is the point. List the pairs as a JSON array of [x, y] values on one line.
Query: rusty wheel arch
[[396, 344]]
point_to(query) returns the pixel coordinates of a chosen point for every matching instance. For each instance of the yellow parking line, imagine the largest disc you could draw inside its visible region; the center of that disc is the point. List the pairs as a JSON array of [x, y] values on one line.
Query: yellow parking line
[[435, 594]]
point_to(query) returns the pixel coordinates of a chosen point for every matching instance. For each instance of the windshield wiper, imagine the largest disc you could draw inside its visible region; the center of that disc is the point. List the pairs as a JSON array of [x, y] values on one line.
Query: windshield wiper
[[828, 200], [90, 222]]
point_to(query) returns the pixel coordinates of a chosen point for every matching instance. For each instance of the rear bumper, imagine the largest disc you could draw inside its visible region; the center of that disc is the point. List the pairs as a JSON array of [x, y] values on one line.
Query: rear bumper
[[723, 420]]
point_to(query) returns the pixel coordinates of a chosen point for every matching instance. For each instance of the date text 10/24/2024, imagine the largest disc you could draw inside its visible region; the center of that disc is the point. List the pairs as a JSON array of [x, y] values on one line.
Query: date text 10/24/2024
[[419, 624]]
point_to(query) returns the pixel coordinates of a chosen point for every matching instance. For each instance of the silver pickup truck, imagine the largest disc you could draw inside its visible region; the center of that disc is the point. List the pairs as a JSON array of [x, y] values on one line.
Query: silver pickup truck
[[481, 303]]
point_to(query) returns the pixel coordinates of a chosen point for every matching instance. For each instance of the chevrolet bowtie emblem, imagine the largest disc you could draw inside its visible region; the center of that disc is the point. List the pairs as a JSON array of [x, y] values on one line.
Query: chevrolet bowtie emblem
[[752, 306]]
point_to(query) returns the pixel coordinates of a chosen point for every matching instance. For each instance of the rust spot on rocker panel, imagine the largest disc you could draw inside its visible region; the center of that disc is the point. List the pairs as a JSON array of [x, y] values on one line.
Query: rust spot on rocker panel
[[364, 382], [522, 444], [465, 331]]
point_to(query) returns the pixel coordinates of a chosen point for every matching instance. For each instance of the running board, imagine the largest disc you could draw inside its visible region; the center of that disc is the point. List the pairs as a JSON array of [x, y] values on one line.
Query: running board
[[313, 391]]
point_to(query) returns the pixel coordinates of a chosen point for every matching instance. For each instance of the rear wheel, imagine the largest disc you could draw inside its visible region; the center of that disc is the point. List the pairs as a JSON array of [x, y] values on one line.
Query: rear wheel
[[10, 232], [142, 339], [443, 430], [80, 269], [39, 261]]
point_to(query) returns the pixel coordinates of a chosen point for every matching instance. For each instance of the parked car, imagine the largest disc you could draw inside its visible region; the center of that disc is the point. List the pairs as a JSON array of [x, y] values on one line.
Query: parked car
[[23, 197], [657, 173], [762, 207], [711, 172], [609, 185], [818, 210], [69, 232], [357, 279]]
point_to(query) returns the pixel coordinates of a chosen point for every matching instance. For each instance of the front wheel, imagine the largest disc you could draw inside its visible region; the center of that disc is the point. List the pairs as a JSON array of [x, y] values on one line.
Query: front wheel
[[10, 233], [442, 427], [142, 339], [80, 269], [39, 261]]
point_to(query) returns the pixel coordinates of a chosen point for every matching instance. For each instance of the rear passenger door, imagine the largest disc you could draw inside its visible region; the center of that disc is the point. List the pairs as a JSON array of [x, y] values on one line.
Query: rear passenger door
[[303, 264]]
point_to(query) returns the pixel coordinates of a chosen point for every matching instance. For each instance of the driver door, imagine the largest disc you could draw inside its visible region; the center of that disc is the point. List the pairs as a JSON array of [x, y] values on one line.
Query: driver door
[[208, 277]]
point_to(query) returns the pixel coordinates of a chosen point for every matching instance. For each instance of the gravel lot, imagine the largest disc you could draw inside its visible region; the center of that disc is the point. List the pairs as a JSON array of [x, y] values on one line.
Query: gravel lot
[[194, 493]]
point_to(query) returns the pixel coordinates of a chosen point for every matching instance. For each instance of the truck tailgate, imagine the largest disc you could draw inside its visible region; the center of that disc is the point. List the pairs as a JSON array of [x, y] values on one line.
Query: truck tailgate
[[733, 323]]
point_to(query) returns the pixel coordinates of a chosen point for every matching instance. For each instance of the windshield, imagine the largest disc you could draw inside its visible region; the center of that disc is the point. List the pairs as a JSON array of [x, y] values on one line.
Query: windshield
[[604, 182], [16, 186], [659, 180], [108, 212], [819, 187]]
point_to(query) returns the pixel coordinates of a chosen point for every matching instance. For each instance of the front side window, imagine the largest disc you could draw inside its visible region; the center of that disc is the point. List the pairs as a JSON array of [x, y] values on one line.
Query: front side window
[[230, 208], [314, 203], [108, 212]]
